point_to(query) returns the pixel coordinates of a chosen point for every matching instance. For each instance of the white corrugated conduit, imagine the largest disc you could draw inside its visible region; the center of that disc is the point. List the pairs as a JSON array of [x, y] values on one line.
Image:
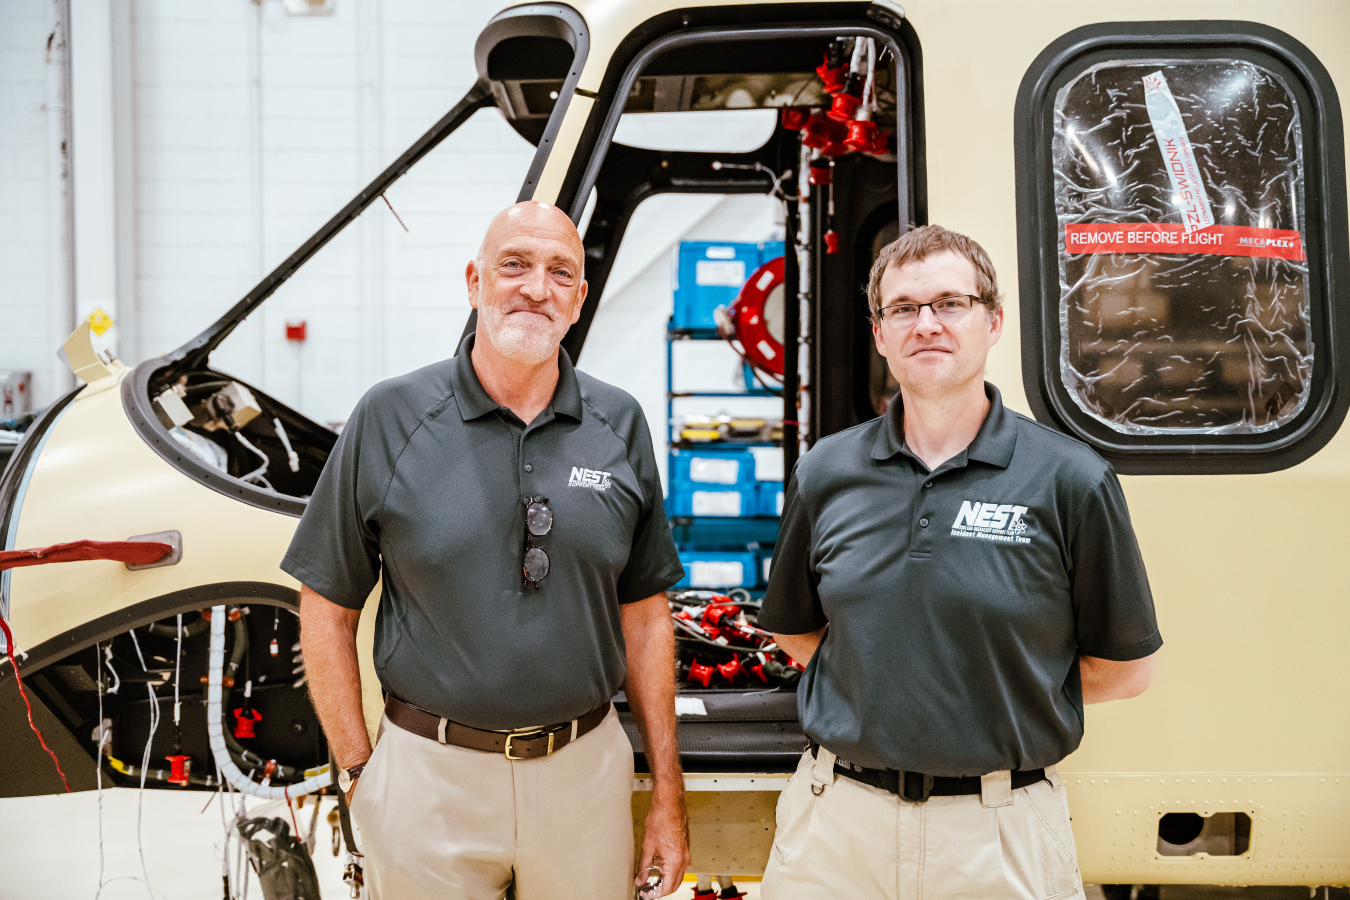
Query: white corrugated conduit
[[215, 729]]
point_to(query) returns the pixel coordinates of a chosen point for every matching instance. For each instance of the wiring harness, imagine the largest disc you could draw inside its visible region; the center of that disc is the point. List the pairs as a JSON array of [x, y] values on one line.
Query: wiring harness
[[719, 643]]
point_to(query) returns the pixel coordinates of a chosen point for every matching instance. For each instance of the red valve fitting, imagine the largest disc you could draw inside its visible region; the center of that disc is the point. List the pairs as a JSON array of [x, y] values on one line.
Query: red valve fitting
[[833, 79], [180, 766], [705, 895], [244, 719], [860, 135], [732, 669], [820, 172], [795, 117], [881, 142], [845, 106], [831, 241], [700, 673], [833, 149], [225, 680]]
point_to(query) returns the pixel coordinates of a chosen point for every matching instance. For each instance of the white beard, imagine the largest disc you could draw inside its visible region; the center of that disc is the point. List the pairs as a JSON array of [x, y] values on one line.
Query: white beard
[[525, 339]]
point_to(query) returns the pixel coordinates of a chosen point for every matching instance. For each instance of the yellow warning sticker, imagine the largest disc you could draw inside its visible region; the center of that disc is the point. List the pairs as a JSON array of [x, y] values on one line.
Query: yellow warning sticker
[[100, 321]]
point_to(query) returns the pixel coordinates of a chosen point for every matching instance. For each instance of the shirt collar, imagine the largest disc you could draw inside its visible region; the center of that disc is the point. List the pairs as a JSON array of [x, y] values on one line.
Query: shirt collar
[[474, 402], [994, 442]]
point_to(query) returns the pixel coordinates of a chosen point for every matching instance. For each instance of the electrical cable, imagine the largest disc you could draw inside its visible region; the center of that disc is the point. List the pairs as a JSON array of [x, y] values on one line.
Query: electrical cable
[[104, 738], [14, 664], [292, 457], [177, 670], [261, 470], [140, 797]]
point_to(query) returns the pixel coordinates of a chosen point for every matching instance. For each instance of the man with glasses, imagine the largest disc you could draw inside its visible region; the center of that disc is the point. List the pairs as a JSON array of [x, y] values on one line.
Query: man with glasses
[[510, 507], [959, 581]]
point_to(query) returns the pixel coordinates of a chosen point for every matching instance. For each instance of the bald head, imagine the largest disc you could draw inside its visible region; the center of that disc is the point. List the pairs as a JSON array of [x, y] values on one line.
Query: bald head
[[531, 218], [528, 282]]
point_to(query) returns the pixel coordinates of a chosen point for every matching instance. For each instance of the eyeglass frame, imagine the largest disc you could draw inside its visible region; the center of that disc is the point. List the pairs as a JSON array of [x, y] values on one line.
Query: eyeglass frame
[[526, 580], [879, 317]]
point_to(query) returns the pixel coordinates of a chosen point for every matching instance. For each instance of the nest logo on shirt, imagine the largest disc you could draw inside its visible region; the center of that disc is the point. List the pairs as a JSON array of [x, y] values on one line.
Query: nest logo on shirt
[[589, 478], [1000, 522]]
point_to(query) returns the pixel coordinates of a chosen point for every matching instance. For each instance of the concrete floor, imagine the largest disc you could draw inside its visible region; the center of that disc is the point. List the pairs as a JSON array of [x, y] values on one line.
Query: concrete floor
[[49, 848]]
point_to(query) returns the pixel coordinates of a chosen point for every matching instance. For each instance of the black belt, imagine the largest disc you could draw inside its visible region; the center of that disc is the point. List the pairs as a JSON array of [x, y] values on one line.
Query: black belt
[[917, 787]]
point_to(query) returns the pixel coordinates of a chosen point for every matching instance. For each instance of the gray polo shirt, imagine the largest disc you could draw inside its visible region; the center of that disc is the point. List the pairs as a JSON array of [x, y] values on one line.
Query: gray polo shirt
[[425, 488], [959, 599]]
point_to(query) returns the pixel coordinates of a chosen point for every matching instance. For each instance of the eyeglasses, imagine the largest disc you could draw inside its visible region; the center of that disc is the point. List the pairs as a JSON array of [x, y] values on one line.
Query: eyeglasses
[[946, 309], [538, 522]]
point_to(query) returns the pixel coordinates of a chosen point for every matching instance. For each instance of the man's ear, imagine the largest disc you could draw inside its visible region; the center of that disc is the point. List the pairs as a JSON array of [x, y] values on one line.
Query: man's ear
[[473, 281], [876, 336], [996, 327], [581, 300]]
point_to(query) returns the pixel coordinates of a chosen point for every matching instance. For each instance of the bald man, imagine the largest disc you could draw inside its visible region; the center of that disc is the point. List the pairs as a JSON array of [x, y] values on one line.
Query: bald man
[[510, 509]]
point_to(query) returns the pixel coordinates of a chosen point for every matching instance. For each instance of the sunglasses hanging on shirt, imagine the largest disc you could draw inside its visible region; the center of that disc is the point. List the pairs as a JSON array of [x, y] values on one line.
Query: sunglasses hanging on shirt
[[538, 522]]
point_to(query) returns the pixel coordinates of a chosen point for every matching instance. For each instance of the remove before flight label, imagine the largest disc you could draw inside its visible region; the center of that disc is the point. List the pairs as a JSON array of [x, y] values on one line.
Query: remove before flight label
[[1156, 237]]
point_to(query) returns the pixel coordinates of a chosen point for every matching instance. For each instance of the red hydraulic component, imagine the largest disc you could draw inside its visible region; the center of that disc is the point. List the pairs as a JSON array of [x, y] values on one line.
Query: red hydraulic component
[[732, 669], [860, 135], [757, 668], [244, 719], [834, 149], [269, 769], [700, 673], [795, 117], [845, 106], [180, 767], [881, 142], [709, 894], [820, 172], [831, 241], [757, 313], [730, 892], [295, 331], [833, 79], [822, 131]]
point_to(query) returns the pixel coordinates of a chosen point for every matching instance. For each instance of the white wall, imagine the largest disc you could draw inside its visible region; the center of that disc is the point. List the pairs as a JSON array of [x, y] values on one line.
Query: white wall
[[253, 128], [36, 304]]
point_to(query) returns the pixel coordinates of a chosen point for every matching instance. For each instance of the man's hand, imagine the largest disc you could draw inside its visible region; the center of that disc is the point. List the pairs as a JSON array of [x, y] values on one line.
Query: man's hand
[[650, 689], [665, 843]]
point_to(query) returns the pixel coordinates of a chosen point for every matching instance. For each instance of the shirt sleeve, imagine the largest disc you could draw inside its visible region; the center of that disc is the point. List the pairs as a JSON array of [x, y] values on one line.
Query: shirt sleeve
[[653, 562], [1113, 606], [792, 601], [335, 551]]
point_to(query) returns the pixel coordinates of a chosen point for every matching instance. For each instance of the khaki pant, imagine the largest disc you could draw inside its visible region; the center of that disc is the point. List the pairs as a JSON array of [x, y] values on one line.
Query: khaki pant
[[851, 840], [445, 822]]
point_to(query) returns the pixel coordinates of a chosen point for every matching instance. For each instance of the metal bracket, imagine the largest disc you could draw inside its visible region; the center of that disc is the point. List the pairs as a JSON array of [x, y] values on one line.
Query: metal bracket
[[173, 538]]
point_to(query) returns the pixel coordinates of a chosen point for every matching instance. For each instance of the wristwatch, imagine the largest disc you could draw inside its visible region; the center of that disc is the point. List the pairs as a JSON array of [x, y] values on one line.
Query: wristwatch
[[346, 777]]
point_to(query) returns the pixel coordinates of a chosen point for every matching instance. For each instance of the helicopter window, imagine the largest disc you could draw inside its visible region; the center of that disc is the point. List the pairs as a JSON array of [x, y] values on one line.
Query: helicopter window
[[737, 131], [1185, 308]]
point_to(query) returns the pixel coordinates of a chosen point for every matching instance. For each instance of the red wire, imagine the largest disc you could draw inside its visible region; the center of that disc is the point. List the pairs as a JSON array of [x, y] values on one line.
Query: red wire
[[9, 646], [299, 838]]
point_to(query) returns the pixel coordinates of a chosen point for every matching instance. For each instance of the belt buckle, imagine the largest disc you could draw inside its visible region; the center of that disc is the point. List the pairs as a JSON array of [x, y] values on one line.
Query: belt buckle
[[529, 736], [916, 787]]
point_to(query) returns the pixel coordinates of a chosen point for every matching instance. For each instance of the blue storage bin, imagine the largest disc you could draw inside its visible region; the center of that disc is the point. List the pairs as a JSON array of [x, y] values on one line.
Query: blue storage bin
[[688, 498], [769, 498], [709, 275], [765, 560], [716, 465], [770, 250], [718, 570]]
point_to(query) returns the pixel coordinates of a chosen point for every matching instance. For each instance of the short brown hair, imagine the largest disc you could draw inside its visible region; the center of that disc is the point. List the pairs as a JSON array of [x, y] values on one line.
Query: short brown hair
[[930, 240]]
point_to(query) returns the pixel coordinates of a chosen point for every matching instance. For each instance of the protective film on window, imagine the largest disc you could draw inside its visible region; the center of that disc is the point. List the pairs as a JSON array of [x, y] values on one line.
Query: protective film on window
[[1184, 294]]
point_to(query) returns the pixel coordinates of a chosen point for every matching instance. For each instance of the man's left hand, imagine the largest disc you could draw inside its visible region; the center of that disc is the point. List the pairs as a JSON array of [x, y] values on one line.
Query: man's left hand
[[666, 843]]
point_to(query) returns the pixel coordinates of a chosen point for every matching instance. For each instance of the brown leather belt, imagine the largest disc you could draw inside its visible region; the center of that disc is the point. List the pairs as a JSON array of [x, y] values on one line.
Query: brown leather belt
[[516, 745]]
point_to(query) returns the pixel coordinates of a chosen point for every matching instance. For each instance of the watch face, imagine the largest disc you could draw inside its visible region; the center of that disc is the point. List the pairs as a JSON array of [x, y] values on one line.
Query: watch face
[[344, 781]]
